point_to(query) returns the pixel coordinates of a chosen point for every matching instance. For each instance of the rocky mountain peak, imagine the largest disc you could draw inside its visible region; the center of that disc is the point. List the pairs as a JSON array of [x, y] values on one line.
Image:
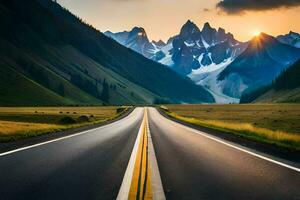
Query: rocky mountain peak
[[221, 31], [159, 43], [138, 31], [292, 39], [294, 35], [208, 33], [208, 29], [206, 26], [189, 28]]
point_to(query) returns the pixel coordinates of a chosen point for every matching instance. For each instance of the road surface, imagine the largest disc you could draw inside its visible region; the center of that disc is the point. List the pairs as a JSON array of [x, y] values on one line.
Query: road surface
[[195, 167], [86, 166], [183, 164]]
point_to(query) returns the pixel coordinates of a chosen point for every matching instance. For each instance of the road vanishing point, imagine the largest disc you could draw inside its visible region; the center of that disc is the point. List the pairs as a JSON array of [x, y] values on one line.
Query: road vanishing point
[[144, 156]]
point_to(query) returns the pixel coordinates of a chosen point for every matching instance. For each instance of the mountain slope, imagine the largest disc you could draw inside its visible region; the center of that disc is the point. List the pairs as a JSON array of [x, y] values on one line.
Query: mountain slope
[[87, 66], [258, 65], [137, 40], [17, 90], [291, 38], [285, 88]]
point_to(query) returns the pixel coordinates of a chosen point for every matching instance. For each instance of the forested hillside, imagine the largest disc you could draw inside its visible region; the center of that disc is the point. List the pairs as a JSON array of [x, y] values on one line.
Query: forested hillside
[[52, 51], [285, 88]]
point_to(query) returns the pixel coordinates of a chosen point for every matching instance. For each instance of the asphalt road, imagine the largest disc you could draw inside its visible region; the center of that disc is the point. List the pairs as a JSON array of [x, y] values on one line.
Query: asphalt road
[[193, 166], [86, 166], [92, 164]]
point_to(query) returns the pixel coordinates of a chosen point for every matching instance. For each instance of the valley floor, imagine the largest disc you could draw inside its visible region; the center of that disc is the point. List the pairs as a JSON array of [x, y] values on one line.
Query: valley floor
[[277, 124], [22, 122]]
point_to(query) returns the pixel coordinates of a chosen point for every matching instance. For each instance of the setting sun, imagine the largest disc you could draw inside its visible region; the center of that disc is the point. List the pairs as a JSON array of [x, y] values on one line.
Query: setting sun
[[256, 33]]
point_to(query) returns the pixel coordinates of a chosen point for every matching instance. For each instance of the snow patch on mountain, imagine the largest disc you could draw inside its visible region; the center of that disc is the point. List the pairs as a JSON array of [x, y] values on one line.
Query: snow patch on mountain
[[167, 60], [206, 45], [207, 76]]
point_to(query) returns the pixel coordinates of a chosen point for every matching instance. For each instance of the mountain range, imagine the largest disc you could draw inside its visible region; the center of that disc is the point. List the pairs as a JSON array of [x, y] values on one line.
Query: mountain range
[[51, 57], [291, 38], [190, 49], [215, 60]]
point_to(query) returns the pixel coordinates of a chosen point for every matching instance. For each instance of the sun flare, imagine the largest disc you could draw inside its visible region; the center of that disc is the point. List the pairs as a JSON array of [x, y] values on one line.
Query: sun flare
[[256, 33]]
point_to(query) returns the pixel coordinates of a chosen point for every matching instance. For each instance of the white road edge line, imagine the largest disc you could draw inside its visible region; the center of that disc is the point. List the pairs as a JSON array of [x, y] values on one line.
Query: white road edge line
[[58, 139], [126, 183], [233, 146], [157, 187]]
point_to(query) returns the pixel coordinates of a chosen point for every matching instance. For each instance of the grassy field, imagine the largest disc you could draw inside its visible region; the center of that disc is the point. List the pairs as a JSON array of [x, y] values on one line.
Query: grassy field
[[277, 124], [21, 122]]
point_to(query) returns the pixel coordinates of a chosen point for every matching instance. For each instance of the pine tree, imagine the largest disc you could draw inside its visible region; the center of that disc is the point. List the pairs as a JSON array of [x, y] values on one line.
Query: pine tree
[[105, 92]]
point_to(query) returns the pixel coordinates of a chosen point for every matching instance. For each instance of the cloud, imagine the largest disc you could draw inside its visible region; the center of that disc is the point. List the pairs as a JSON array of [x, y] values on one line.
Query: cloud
[[240, 6]]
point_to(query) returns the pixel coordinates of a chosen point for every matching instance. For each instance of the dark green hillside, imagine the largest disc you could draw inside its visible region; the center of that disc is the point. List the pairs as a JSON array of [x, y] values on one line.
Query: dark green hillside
[[288, 79], [56, 50], [16, 89], [55, 66], [285, 88]]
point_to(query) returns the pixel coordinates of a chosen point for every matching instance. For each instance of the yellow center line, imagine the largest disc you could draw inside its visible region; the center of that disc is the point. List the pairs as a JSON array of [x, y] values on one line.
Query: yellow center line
[[141, 187]]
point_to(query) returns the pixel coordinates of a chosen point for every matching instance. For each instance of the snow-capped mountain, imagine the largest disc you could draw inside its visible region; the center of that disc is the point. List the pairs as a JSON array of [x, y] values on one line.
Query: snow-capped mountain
[[215, 60], [193, 49], [190, 49], [292, 39], [199, 54], [263, 60], [137, 40], [202, 55]]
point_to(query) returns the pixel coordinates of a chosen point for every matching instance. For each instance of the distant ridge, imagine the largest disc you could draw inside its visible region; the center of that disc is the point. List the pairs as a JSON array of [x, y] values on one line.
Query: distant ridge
[[292, 38]]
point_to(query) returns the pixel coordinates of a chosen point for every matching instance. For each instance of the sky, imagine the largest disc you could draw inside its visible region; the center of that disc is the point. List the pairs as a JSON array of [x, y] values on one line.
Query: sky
[[164, 18]]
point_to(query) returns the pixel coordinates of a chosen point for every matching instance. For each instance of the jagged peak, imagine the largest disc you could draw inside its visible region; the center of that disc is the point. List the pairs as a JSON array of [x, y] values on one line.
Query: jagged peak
[[189, 27], [221, 30], [138, 29], [207, 25], [159, 42], [207, 28], [293, 33], [189, 22]]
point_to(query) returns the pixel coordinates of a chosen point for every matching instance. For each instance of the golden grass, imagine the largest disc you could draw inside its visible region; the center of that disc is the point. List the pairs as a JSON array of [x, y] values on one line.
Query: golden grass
[[276, 117], [104, 111], [21, 122], [240, 127], [8, 127]]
